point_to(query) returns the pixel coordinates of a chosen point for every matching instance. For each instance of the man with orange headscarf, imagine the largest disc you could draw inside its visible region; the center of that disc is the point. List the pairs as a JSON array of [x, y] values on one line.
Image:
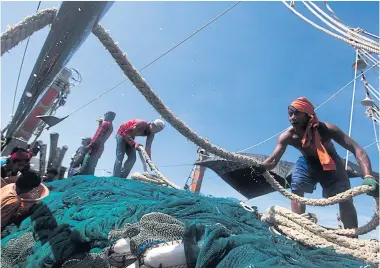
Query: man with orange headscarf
[[319, 161]]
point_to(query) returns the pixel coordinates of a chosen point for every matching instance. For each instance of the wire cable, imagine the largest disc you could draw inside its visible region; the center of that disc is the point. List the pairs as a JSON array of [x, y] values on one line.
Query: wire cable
[[322, 104], [22, 63], [159, 57]]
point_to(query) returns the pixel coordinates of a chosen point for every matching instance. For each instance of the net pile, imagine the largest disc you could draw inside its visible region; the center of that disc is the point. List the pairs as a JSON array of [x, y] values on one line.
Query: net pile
[[84, 215]]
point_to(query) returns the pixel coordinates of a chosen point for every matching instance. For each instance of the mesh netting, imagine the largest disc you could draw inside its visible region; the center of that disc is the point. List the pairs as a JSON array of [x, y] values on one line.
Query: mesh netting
[[73, 226], [153, 228]]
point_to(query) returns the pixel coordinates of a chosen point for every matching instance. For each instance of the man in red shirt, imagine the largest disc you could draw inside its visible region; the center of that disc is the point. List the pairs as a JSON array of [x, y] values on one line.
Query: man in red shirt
[[125, 143], [96, 146]]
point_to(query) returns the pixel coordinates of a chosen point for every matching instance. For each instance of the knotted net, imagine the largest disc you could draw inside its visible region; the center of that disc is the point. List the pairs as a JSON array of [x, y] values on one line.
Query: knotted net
[[84, 215]]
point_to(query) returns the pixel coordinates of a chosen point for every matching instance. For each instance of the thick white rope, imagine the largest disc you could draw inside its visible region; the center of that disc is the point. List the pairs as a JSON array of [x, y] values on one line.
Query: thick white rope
[[146, 177], [319, 106], [352, 102], [22, 30], [350, 33], [143, 161], [309, 233], [338, 20], [154, 168], [156, 102], [350, 42]]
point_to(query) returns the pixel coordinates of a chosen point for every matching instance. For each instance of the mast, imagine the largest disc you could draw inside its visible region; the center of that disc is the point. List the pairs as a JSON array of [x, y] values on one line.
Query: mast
[[199, 172]]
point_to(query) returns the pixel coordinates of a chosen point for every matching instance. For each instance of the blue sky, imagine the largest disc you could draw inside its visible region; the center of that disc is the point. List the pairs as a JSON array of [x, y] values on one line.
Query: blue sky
[[231, 83]]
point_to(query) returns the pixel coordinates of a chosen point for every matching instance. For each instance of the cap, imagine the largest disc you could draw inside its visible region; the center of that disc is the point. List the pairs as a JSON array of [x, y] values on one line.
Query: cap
[[159, 124]]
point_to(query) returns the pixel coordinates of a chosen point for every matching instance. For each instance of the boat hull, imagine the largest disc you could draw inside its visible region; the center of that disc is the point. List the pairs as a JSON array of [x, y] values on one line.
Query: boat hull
[[242, 178]]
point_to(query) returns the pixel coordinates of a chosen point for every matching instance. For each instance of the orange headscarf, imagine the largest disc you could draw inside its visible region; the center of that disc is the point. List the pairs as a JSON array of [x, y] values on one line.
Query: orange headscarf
[[312, 135]]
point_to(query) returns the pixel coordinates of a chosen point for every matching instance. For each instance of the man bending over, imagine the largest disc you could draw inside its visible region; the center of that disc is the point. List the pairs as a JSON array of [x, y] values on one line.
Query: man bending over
[[125, 143]]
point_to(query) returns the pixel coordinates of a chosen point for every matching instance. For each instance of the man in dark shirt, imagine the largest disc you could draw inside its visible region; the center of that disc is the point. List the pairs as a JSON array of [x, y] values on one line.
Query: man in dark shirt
[[96, 146], [78, 157], [125, 143]]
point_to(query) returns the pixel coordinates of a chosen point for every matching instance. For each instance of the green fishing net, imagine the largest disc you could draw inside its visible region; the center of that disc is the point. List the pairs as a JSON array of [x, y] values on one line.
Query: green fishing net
[[84, 215]]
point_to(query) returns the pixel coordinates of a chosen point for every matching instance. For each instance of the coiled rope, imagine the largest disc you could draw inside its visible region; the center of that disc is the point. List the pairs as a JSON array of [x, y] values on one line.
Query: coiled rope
[[32, 24]]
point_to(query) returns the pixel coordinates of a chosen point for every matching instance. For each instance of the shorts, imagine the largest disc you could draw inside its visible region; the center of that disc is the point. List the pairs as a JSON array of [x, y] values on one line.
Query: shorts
[[306, 175]]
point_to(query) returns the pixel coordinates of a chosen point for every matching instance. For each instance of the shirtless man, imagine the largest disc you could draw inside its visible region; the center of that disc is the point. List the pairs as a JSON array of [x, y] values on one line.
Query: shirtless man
[[125, 143], [319, 161]]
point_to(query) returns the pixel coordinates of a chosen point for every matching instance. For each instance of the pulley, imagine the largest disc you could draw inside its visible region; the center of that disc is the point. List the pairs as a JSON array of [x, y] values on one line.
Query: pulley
[[367, 101]]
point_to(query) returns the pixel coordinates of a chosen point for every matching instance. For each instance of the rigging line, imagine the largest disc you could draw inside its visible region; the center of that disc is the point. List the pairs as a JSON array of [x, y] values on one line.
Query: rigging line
[[22, 63], [341, 28], [176, 165], [323, 103], [365, 147], [352, 101], [370, 34], [369, 56], [159, 57], [375, 132], [338, 20], [372, 90]]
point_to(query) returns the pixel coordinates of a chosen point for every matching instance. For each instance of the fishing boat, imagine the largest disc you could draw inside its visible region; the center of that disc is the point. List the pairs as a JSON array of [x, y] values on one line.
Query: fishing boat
[[148, 221]]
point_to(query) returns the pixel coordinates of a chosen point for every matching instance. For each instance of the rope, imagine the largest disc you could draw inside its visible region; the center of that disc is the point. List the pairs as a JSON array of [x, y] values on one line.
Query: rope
[[22, 63], [146, 177], [159, 57], [375, 132], [370, 248], [369, 56], [352, 102], [349, 32], [322, 104], [348, 41], [307, 232], [153, 167], [145, 168], [22, 30], [181, 127]]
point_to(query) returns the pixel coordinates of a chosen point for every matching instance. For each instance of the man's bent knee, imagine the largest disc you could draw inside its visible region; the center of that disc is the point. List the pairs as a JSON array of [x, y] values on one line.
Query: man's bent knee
[[298, 207]]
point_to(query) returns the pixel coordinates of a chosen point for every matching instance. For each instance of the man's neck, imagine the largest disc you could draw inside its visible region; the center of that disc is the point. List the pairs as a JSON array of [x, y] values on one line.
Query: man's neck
[[299, 130]]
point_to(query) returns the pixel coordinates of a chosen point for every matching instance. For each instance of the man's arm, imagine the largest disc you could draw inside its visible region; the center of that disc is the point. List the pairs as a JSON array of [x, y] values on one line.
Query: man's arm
[[100, 133], [148, 146], [130, 133], [272, 161], [9, 205], [349, 144]]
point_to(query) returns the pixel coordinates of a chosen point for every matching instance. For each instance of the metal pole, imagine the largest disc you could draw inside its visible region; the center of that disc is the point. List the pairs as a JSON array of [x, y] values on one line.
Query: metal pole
[[70, 28]]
